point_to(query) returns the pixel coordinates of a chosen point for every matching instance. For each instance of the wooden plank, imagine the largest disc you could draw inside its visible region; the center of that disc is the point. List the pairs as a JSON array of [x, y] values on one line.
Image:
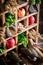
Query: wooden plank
[[22, 5], [7, 50], [17, 7], [37, 28], [3, 13], [3, 19], [20, 19], [29, 27]]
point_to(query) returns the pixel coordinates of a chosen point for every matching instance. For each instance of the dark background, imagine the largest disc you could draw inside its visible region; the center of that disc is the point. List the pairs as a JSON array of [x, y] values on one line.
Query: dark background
[[41, 19]]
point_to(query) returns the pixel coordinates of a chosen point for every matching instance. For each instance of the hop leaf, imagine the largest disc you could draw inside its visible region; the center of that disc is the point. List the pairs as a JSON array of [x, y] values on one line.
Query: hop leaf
[[38, 1], [33, 2]]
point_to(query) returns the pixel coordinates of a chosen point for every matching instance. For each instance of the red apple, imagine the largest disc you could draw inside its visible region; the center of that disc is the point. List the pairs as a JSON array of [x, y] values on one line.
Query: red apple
[[10, 43], [31, 20]]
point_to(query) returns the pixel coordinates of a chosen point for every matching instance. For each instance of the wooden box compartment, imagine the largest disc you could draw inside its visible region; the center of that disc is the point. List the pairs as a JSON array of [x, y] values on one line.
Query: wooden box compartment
[[32, 19], [32, 34], [10, 24], [22, 12], [10, 32], [21, 21], [22, 25]]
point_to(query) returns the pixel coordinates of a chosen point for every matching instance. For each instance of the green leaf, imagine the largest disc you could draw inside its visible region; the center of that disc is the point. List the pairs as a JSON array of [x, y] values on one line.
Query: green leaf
[[8, 20], [9, 15], [25, 42], [22, 39], [7, 24], [1, 50], [11, 20], [14, 22], [33, 2], [38, 1]]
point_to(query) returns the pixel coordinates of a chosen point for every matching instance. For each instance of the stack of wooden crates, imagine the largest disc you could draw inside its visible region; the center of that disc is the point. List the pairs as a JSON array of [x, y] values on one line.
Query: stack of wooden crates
[[26, 23]]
